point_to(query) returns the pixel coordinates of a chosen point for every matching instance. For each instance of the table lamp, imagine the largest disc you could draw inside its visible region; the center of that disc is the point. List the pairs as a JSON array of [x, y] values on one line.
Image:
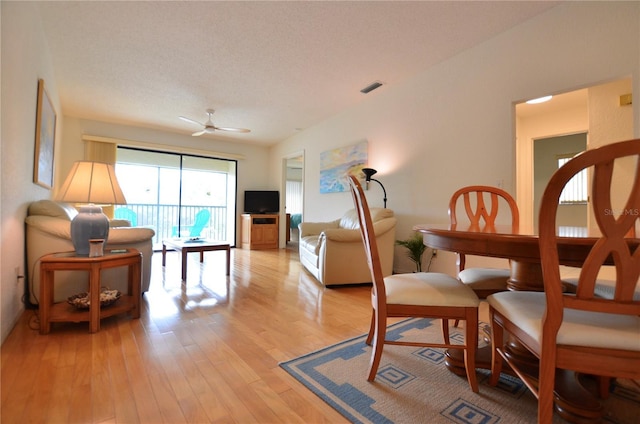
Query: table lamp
[[90, 183], [368, 173]]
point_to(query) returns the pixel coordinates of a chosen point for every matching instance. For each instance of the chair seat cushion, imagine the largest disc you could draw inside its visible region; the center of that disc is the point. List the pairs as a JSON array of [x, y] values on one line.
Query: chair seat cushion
[[579, 328], [485, 278], [428, 289]]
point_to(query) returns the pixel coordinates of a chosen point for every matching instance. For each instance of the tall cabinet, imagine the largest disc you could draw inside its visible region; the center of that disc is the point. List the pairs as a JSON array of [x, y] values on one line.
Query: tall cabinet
[[260, 231]]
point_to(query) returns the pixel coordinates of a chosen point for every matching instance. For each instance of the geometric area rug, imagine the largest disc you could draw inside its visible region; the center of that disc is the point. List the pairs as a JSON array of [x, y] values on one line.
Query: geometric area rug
[[414, 386]]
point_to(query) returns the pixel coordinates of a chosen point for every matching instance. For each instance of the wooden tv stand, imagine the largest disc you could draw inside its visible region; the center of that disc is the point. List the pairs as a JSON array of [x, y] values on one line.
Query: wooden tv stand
[[260, 231]]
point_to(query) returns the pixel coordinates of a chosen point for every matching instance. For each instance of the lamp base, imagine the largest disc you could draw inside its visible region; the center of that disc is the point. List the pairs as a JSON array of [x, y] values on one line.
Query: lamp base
[[90, 223]]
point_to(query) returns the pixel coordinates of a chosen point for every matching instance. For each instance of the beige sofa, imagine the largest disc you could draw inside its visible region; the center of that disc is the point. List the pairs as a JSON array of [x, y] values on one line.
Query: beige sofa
[[333, 251], [49, 230]]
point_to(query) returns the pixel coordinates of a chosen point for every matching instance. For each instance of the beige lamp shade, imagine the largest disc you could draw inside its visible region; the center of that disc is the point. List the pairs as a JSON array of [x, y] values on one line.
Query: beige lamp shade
[[92, 182]]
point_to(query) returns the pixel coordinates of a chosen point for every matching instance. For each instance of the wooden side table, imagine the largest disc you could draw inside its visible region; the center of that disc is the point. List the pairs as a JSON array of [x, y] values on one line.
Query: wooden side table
[[68, 261]]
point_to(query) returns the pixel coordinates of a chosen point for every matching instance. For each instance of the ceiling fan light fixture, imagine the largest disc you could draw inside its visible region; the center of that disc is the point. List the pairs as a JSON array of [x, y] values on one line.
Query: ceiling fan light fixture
[[209, 127], [539, 100]]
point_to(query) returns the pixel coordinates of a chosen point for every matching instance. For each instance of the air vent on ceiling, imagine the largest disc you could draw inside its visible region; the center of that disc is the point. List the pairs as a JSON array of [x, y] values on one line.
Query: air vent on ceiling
[[369, 88]]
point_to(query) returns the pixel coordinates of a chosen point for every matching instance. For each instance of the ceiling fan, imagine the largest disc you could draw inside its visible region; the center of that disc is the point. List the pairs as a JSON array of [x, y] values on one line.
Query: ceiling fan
[[209, 127]]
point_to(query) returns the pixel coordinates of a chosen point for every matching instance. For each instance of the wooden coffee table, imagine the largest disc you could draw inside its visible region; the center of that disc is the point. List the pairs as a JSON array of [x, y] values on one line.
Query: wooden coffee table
[[194, 245]]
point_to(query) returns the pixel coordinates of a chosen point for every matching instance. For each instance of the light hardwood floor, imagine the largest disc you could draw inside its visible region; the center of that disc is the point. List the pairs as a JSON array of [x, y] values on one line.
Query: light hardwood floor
[[203, 352]]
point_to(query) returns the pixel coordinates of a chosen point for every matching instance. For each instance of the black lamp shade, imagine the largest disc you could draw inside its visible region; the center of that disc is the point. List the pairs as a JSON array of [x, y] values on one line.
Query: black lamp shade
[[369, 172]]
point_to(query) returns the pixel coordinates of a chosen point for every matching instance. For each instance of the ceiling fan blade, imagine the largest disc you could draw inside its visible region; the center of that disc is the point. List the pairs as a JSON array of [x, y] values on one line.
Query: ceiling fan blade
[[191, 121], [238, 130], [199, 133]]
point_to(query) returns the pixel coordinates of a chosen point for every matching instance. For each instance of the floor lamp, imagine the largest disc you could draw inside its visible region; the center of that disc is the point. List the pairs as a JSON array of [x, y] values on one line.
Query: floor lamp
[[369, 172]]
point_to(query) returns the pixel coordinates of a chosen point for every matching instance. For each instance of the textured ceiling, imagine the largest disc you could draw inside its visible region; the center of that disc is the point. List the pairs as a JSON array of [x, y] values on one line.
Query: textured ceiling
[[271, 67]]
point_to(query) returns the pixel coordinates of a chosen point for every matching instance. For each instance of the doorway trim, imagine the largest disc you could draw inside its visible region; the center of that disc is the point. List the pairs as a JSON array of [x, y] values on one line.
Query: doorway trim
[[283, 189]]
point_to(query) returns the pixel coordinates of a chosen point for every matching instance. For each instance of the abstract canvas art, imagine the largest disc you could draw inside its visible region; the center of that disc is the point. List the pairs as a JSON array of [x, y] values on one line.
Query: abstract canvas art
[[337, 164]]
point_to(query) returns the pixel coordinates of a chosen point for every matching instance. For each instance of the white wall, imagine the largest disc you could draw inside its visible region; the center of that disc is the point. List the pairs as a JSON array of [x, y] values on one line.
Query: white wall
[[453, 125], [25, 59]]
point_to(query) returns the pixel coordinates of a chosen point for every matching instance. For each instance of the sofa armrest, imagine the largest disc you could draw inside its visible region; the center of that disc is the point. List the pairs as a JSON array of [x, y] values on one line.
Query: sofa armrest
[[119, 223], [315, 228], [342, 235], [123, 235]]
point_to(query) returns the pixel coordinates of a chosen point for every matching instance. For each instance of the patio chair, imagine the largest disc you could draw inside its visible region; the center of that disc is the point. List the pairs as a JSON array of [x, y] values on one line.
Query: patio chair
[[128, 214]]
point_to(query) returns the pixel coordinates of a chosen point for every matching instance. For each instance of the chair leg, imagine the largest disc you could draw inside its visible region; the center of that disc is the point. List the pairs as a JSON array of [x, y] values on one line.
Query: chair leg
[[378, 345], [445, 330], [497, 337], [604, 384], [372, 328], [546, 383], [471, 343]]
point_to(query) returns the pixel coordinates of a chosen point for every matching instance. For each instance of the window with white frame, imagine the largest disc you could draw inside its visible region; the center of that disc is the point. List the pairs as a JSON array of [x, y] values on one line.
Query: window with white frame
[[575, 191]]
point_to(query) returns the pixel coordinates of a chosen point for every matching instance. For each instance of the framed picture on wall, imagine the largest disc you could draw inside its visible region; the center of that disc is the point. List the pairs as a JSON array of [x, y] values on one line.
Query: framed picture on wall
[[45, 139], [337, 164]]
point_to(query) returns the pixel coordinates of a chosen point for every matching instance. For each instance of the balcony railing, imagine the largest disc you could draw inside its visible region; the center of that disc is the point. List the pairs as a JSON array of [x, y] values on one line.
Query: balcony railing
[[174, 221]]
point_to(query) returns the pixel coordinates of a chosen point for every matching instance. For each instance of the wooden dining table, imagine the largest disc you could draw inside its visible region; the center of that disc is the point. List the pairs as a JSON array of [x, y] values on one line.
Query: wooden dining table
[[521, 246]]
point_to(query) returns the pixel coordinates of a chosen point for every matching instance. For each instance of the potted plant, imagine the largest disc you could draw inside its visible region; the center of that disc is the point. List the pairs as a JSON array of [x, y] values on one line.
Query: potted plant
[[415, 247]]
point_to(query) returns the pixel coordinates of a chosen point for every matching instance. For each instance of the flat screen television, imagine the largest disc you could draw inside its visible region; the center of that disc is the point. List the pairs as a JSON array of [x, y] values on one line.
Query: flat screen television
[[261, 201]]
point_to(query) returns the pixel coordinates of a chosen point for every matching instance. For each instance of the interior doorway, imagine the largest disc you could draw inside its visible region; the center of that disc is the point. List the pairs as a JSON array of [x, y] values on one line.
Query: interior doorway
[[293, 187], [595, 111], [549, 154]]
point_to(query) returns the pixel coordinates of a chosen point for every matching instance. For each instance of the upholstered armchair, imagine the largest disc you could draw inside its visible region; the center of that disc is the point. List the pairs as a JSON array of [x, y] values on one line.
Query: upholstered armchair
[[48, 227], [333, 251]]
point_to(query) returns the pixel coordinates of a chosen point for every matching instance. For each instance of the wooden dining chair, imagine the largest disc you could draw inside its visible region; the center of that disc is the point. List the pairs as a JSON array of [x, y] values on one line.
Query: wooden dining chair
[[579, 331], [481, 204], [422, 294]]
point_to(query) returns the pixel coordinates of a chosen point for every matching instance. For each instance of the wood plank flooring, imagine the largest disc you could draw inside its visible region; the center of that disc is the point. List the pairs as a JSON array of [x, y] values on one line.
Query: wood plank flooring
[[204, 351]]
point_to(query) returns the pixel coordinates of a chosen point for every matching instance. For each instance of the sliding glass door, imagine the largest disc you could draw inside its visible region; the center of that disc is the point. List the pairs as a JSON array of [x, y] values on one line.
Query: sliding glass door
[[178, 195]]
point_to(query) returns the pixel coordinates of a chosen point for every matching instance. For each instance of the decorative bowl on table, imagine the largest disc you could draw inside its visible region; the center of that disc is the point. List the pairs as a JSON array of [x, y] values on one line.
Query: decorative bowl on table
[[83, 301]]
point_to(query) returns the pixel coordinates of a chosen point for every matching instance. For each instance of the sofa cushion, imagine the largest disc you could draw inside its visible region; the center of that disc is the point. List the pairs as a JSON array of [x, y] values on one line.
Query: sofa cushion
[[350, 221], [53, 209], [310, 244]]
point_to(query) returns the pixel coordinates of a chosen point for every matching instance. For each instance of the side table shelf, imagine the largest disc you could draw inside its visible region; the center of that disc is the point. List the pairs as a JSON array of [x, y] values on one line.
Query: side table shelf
[[63, 312], [68, 261]]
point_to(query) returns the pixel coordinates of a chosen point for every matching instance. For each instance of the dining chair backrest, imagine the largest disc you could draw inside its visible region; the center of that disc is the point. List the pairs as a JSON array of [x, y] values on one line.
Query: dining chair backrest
[[479, 212], [481, 204], [615, 225], [369, 239]]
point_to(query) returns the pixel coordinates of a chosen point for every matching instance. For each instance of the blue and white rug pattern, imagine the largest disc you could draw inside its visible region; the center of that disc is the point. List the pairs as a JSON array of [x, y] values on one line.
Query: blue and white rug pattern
[[413, 385]]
